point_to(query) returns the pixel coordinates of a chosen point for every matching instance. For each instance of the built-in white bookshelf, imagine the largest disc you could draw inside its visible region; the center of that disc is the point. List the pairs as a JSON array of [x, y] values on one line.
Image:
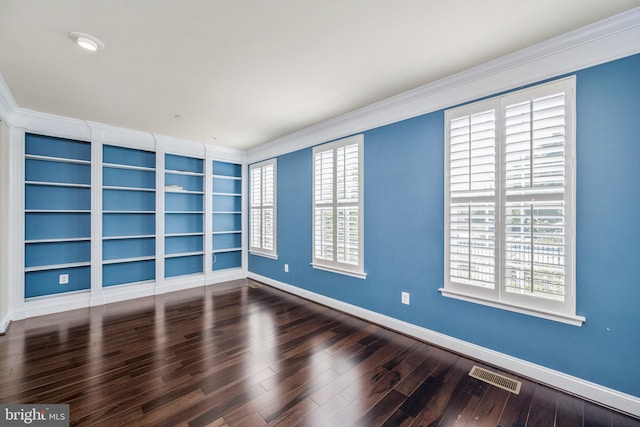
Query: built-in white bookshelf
[[128, 215], [227, 215], [57, 215], [183, 215]]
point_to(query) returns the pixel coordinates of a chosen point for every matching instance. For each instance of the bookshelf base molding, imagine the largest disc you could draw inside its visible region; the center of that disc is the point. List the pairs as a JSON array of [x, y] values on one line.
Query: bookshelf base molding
[[59, 303]]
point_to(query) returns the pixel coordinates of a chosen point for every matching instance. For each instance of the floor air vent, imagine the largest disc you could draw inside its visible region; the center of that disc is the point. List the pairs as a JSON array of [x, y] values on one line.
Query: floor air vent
[[495, 379], [254, 285]]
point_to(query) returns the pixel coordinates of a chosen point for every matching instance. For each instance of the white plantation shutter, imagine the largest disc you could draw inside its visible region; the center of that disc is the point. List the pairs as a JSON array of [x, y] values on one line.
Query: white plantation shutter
[[337, 206], [535, 190], [347, 201], [256, 207], [263, 208], [509, 201], [268, 202], [323, 206], [472, 166]]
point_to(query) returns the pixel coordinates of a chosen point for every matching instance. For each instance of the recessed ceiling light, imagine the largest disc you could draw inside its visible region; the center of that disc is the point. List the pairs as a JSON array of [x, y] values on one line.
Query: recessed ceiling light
[[86, 41]]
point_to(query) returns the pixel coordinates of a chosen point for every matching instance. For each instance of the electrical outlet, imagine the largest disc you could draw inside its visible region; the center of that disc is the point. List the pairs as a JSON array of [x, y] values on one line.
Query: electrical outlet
[[405, 298], [63, 279], [286, 268]]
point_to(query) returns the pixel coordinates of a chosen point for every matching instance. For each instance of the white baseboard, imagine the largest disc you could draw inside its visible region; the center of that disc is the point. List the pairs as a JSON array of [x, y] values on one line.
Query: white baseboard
[[123, 293], [41, 306], [194, 281], [71, 301], [5, 323], [594, 392], [180, 283]]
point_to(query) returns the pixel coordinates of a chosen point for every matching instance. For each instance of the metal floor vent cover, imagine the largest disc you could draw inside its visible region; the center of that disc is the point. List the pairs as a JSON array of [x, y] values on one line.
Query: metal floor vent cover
[[495, 379], [254, 285]]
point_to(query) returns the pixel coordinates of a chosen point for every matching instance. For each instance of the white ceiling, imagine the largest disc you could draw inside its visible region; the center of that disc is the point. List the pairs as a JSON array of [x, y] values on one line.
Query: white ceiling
[[245, 72]]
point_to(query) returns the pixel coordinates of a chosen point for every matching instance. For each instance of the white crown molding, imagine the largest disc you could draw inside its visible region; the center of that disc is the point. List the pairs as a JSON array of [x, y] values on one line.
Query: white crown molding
[[108, 134], [66, 127], [603, 41], [573, 385], [224, 153], [7, 104], [172, 145], [51, 124]]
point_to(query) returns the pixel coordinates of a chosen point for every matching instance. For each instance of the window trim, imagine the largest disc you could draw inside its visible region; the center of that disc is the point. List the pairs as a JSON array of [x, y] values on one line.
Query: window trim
[[498, 297], [254, 250], [335, 266]]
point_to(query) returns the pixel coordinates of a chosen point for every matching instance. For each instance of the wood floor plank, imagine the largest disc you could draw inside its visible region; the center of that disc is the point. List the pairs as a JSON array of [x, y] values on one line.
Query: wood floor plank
[[595, 417], [318, 416], [382, 410], [622, 420], [233, 355], [462, 403], [439, 394], [543, 407], [517, 407], [569, 411], [435, 358], [488, 412]]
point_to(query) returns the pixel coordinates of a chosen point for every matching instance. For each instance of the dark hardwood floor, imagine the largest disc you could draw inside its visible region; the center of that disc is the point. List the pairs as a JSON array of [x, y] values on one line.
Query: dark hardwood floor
[[237, 355]]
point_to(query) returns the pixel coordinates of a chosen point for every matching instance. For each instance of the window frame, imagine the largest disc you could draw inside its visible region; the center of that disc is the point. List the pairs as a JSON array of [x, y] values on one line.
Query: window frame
[[259, 250], [499, 297], [334, 265]]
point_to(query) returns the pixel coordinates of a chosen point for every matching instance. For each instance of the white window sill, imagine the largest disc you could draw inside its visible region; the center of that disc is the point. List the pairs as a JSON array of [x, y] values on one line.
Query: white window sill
[[263, 254], [557, 317], [340, 271]]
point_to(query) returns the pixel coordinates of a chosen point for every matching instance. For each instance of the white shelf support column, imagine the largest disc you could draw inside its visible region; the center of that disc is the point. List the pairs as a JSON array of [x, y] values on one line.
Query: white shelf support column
[[97, 297]]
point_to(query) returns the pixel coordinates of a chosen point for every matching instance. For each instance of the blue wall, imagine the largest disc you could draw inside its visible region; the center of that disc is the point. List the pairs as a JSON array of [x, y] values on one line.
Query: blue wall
[[404, 242]]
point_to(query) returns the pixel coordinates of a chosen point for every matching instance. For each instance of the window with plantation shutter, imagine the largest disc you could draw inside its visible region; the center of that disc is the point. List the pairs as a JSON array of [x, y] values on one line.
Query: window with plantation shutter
[[337, 206], [509, 197], [262, 209]]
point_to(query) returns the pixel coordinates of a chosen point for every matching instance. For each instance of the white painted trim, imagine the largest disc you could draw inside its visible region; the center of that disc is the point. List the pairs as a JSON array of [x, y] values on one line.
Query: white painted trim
[[17, 218], [50, 304], [594, 44], [66, 127], [199, 280], [6, 225], [121, 137], [51, 125], [58, 303], [244, 217], [575, 320], [159, 214], [7, 103], [262, 254], [123, 292], [181, 147], [96, 220], [176, 283], [588, 390], [332, 269], [207, 259], [224, 154], [220, 276], [5, 323]]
